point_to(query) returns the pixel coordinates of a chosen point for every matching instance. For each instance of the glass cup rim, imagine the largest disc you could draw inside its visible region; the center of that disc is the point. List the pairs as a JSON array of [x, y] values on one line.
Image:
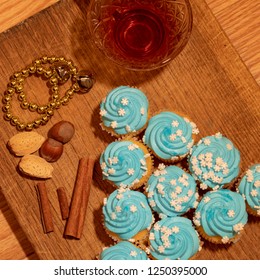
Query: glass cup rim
[[134, 65]]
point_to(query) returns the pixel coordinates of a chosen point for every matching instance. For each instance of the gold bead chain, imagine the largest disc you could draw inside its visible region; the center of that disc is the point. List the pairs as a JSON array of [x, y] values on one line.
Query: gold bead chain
[[56, 70]]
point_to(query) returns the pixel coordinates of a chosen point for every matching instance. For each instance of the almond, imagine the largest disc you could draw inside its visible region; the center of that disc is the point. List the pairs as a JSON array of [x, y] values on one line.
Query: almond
[[25, 143], [35, 166]]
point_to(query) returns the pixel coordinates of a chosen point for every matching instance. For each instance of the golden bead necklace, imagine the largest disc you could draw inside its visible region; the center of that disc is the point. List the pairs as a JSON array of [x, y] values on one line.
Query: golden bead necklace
[[56, 70]]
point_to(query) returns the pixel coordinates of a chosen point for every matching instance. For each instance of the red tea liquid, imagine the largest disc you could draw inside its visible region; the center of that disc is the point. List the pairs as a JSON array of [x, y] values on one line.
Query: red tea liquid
[[139, 33]]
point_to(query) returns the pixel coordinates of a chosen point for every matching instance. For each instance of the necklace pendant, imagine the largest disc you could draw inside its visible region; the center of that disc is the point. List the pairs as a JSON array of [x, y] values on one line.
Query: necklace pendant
[[85, 81], [62, 70]]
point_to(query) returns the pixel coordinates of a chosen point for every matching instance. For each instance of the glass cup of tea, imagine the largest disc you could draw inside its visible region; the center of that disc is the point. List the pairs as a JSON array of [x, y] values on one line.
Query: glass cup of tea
[[140, 34]]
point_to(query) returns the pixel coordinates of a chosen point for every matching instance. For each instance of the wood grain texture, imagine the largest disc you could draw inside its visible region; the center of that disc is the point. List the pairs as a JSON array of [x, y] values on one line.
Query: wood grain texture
[[14, 243], [241, 22], [15, 12], [208, 73]]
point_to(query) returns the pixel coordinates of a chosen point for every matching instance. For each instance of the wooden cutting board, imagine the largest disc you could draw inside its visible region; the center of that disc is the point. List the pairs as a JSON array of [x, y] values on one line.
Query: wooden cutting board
[[207, 82]]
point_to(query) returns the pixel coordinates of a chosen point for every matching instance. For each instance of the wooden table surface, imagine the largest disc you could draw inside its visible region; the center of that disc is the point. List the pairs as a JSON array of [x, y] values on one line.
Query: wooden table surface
[[239, 19]]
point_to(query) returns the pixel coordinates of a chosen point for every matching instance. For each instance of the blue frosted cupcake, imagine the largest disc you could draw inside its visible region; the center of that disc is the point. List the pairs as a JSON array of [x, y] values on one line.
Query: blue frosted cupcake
[[221, 216], [214, 162], [171, 191], [124, 111], [170, 136], [126, 163], [123, 250], [249, 188], [174, 239], [127, 215]]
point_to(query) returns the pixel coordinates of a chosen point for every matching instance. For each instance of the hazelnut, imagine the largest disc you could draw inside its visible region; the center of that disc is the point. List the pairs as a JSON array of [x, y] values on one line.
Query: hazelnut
[[51, 150], [62, 131]]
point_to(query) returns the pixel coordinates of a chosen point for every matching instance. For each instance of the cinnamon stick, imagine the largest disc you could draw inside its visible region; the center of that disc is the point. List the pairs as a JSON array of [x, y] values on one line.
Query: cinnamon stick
[[80, 198], [45, 208], [63, 201]]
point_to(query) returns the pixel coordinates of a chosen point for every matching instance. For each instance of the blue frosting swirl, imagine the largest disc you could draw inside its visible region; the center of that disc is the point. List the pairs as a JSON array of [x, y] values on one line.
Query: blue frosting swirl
[[221, 213], [124, 163], [126, 213], [214, 161], [123, 250], [169, 135], [249, 187], [171, 191], [125, 110], [173, 238]]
